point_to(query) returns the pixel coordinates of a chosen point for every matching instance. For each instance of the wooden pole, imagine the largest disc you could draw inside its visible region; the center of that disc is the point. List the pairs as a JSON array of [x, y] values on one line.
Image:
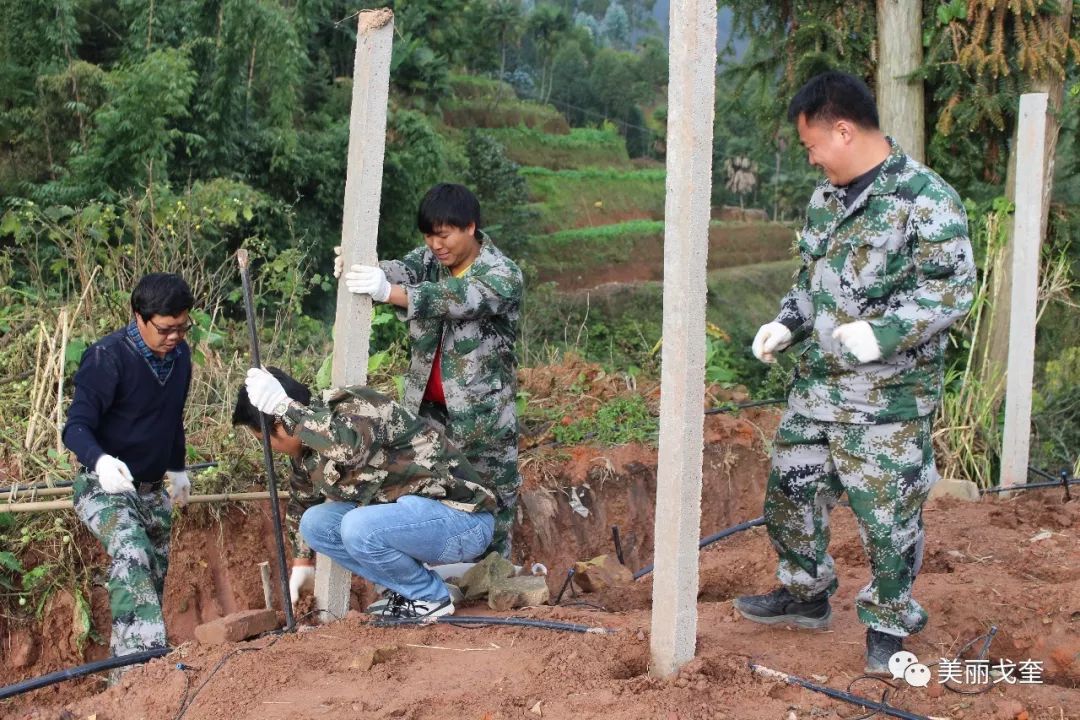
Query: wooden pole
[[691, 92], [48, 505], [359, 230], [1027, 241]]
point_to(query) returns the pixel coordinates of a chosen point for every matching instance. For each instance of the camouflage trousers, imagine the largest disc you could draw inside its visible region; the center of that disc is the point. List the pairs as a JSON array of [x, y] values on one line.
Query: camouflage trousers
[[496, 458], [135, 532], [887, 471]]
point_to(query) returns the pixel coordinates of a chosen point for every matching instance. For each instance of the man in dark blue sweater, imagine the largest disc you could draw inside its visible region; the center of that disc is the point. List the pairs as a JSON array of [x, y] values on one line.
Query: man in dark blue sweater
[[126, 427]]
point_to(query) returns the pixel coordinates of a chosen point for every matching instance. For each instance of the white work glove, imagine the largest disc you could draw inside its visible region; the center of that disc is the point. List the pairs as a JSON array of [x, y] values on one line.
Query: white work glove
[[339, 262], [858, 339], [771, 338], [114, 476], [368, 280], [265, 392], [180, 486], [302, 577]]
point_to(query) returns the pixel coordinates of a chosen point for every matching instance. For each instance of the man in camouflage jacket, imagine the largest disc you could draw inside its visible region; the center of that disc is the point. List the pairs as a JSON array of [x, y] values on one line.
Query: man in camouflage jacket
[[380, 490], [462, 299], [887, 267]]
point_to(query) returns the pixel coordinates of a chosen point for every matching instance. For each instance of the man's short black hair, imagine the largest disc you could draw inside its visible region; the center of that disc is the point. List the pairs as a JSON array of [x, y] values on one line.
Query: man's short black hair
[[447, 204], [833, 96], [247, 415], [165, 294]]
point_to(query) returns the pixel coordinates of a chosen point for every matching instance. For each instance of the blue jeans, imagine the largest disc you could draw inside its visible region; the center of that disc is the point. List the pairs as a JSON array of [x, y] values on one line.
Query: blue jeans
[[388, 544]]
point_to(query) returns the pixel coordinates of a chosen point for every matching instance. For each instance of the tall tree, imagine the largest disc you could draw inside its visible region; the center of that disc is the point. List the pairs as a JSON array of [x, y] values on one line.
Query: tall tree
[[899, 88]]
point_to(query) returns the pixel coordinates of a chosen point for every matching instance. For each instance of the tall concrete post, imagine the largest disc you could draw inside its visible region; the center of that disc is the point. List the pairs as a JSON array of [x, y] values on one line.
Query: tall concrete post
[[691, 92], [1027, 242], [359, 229]]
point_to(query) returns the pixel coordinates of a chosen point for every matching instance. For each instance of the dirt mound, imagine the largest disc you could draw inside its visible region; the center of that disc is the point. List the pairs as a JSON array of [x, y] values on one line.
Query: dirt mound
[[1012, 564]]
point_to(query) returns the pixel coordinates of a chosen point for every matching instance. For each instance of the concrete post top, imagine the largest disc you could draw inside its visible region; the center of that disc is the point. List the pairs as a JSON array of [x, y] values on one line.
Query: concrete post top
[[375, 19]]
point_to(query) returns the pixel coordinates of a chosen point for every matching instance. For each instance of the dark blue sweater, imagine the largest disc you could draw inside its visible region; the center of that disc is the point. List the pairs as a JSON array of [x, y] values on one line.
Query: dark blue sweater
[[121, 409]]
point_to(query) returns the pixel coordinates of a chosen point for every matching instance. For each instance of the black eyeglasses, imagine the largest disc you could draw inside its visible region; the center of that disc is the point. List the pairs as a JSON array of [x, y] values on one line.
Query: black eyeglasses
[[178, 331]]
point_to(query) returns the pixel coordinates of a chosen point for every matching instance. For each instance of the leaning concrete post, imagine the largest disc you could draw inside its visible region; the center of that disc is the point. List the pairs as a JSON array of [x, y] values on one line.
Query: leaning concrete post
[[1027, 241], [691, 90], [359, 228]]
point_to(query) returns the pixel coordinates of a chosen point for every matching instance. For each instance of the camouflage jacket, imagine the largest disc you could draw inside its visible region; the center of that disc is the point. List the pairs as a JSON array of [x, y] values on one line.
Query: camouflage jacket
[[475, 318], [364, 448], [899, 259]]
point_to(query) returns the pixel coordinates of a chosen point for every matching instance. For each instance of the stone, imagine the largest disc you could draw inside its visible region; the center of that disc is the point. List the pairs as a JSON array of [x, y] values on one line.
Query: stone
[[476, 581], [524, 591], [535, 709], [600, 573], [370, 657], [955, 487], [237, 626]]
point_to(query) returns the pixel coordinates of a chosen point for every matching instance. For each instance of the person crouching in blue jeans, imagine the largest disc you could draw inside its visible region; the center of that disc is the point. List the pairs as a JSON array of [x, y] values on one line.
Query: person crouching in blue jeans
[[376, 488]]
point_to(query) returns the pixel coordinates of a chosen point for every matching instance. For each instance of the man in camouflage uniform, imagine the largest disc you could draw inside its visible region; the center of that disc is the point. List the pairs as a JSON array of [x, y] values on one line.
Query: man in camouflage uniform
[[886, 268], [125, 425], [398, 494], [462, 299]]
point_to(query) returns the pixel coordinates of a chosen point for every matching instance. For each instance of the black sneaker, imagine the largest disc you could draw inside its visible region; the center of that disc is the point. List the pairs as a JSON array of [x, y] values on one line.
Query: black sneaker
[[401, 607], [879, 648], [780, 607]]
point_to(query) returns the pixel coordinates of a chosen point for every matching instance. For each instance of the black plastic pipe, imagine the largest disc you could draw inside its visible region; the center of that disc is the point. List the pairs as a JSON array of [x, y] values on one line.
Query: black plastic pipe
[[480, 620], [1031, 486], [80, 670], [709, 540], [847, 697], [268, 455]]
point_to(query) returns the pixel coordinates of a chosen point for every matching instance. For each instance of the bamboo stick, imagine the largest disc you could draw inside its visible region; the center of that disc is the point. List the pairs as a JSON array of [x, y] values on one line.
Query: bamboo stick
[[49, 505]]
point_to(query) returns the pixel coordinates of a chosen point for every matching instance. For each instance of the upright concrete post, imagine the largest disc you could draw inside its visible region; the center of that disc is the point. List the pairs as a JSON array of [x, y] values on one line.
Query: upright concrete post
[[1027, 242], [691, 91], [359, 229]]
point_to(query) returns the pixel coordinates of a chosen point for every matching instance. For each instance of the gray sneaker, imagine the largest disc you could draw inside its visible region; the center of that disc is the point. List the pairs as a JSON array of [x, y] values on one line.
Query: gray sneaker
[[781, 607]]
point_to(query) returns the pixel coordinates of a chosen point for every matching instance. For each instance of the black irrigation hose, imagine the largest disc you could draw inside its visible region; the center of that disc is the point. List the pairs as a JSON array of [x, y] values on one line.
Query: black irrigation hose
[[81, 670], [483, 621], [728, 407], [1030, 486], [867, 703], [709, 540]]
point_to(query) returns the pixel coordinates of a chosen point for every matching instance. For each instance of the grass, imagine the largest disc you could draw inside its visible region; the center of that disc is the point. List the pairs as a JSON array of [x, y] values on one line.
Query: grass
[[506, 112], [580, 148], [634, 250], [586, 197]]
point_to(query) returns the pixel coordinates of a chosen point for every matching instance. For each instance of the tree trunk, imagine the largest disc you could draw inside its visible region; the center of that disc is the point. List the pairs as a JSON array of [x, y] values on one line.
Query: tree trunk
[[900, 99], [994, 351]]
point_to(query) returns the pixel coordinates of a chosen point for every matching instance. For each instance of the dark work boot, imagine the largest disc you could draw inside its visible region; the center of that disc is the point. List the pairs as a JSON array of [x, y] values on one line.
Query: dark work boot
[[781, 607], [879, 648]]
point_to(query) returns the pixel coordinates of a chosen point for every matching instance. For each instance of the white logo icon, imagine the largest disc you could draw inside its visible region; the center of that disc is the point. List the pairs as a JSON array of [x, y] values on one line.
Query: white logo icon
[[900, 661], [917, 675]]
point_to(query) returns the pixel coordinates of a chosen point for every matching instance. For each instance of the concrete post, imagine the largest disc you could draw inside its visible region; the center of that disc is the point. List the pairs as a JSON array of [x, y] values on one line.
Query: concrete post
[[691, 92], [1027, 241], [359, 229]]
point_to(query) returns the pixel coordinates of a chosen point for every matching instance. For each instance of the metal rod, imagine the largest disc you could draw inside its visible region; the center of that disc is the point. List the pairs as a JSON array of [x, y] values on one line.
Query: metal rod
[[866, 703], [566, 583], [618, 543], [268, 455]]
